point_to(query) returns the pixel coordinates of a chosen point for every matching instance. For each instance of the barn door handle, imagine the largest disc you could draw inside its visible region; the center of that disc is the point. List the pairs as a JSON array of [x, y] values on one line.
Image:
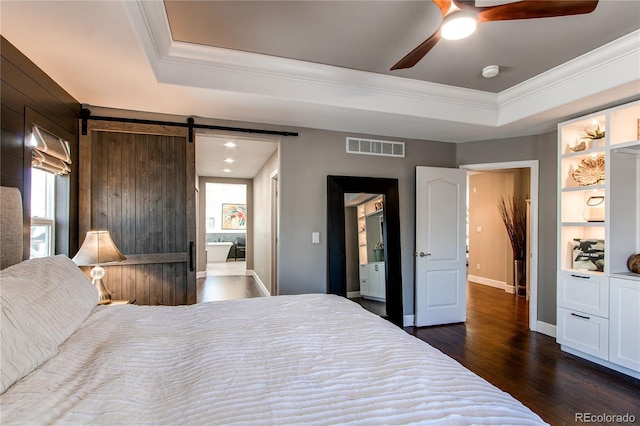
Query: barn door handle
[[191, 256]]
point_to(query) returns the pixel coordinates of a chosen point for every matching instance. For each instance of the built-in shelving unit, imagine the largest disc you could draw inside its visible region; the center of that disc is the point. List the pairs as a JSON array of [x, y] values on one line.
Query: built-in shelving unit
[[598, 229]]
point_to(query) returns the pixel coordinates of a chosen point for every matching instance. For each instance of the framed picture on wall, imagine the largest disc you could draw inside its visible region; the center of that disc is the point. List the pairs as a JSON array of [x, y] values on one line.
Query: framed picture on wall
[[234, 216]]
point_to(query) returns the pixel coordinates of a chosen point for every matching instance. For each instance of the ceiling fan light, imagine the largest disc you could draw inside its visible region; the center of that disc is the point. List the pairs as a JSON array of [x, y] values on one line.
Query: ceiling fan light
[[458, 27]]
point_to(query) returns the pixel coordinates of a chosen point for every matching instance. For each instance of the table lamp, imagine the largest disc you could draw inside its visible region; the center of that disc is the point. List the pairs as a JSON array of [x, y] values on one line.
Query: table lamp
[[97, 248]]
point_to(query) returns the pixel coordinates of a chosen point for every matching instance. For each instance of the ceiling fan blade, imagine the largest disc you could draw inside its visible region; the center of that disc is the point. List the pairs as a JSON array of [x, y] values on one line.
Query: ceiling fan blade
[[530, 9], [443, 5], [418, 53]]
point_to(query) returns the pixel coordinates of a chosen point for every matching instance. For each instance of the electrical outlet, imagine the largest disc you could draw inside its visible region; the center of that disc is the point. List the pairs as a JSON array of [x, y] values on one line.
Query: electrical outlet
[[478, 266]]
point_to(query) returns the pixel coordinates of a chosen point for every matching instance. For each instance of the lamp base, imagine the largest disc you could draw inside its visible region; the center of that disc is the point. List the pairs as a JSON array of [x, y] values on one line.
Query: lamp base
[[103, 293]]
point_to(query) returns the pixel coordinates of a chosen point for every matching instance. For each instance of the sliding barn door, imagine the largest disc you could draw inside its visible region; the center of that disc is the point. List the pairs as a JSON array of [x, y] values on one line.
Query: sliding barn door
[[138, 182]]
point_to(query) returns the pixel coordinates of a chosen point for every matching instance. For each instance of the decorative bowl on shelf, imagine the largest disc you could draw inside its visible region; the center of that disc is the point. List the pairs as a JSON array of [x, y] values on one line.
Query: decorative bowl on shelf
[[594, 134], [590, 171], [579, 147], [634, 263]]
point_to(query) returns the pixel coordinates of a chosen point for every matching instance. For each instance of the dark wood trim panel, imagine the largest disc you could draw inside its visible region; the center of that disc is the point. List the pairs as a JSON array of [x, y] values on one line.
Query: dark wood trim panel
[[29, 96], [337, 186], [51, 99]]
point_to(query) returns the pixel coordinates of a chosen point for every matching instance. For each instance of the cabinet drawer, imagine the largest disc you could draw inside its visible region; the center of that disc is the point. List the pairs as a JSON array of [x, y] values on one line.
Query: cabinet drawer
[[365, 287], [584, 293], [584, 332]]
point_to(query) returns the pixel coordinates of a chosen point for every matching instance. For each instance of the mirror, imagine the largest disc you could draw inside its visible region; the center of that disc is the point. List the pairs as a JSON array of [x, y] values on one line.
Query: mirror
[[337, 188], [364, 250]]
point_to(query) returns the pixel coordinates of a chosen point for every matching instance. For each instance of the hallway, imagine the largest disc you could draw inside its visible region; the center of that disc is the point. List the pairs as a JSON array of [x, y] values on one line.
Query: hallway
[[225, 281]]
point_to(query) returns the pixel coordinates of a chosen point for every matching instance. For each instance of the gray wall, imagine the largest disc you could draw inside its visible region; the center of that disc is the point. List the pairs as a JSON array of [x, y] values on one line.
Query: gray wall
[[305, 162], [542, 148]]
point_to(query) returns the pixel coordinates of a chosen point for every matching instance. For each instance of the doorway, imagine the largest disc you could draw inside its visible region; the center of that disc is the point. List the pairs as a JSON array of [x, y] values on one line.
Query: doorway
[[226, 222], [490, 249], [532, 262]]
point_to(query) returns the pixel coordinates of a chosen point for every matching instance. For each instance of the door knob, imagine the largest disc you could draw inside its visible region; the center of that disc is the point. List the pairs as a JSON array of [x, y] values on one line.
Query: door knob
[[423, 254]]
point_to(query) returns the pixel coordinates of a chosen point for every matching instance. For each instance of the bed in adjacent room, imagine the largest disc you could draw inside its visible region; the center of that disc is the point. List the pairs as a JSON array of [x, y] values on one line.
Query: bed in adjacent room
[[303, 359]]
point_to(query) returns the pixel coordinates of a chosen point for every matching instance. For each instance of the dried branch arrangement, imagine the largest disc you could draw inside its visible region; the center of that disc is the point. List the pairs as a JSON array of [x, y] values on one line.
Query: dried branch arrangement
[[513, 211]]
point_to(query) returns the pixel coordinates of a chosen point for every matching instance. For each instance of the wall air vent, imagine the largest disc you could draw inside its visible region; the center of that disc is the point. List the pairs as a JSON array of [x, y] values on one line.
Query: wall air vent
[[375, 147]]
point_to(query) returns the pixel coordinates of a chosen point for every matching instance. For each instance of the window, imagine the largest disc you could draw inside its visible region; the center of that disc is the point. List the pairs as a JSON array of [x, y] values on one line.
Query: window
[[42, 213]]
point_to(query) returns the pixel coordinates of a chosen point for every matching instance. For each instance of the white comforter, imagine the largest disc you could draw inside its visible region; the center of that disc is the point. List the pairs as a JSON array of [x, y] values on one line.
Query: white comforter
[[312, 359]]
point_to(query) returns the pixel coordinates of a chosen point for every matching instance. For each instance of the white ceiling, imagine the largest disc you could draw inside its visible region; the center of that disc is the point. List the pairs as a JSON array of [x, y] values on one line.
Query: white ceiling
[[121, 54], [249, 155]]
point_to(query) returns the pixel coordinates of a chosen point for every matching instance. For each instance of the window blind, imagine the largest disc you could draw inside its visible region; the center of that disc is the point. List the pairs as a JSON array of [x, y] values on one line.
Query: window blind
[[50, 153]]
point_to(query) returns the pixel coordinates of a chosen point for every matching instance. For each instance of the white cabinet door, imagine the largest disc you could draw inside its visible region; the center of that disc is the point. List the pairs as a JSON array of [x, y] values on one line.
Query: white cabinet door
[[382, 287], [376, 281], [625, 323], [584, 332]]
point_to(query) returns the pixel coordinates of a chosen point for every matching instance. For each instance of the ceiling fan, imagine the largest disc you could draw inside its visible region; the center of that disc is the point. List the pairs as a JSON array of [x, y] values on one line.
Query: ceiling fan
[[460, 18]]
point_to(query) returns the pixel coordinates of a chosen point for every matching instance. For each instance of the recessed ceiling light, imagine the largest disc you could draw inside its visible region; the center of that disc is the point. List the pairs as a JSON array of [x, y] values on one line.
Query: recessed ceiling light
[[228, 160], [227, 170], [230, 144]]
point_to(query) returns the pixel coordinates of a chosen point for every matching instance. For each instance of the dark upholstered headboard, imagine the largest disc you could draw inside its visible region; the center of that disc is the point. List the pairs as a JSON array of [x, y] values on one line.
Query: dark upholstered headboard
[[10, 226]]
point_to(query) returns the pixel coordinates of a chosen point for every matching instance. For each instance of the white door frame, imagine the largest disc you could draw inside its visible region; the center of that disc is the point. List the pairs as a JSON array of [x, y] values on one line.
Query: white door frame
[[534, 167]]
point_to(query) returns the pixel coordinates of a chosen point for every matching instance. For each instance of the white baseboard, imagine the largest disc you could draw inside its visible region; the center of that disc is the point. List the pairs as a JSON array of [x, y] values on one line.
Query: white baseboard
[[261, 287], [546, 328], [201, 274], [491, 283], [353, 294], [408, 320], [601, 361]]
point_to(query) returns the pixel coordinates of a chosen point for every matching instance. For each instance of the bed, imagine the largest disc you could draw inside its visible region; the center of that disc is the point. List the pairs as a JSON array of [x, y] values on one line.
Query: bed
[[299, 359]]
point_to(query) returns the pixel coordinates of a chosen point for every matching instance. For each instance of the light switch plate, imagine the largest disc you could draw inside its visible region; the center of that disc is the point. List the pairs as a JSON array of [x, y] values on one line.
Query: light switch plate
[[315, 237]]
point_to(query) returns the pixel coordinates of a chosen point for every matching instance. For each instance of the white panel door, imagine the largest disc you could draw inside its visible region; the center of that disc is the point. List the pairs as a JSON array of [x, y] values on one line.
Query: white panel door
[[441, 269]]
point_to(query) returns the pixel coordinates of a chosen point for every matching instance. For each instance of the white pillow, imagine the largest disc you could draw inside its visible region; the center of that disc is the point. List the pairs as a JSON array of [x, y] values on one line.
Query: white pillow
[[43, 302]]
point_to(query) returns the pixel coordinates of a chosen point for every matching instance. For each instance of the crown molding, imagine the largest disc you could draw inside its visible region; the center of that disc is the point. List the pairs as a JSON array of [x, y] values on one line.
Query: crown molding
[[616, 64], [538, 101]]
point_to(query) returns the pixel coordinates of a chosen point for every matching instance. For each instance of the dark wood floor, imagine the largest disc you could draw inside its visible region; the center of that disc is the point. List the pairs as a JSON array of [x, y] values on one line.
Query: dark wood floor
[[225, 288], [378, 308], [496, 344]]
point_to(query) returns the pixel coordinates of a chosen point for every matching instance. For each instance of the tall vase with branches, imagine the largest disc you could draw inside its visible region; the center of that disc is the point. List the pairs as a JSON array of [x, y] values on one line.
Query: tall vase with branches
[[513, 211]]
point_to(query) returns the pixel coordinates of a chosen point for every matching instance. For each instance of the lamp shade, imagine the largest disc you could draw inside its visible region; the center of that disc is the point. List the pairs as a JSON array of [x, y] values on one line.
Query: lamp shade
[[98, 247]]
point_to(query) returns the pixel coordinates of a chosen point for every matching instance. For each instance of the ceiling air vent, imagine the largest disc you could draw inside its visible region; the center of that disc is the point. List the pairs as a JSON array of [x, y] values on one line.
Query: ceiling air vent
[[375, 147]]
